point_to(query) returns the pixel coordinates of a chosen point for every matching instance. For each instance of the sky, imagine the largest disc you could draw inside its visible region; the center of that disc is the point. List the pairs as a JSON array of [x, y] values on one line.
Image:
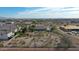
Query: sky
[[39, 12]]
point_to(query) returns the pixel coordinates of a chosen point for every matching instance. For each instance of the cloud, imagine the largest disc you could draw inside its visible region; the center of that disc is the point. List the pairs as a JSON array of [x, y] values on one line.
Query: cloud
[[33, 11], [55, 12]]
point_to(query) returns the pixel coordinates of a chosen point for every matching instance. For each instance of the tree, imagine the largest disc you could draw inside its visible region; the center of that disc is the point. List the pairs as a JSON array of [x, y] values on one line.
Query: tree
[[31, 28], [34, 21], [24, 29]]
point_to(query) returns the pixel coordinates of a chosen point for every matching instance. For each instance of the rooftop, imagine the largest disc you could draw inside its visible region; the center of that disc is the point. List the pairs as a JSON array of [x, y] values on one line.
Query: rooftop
[[7, 27], [40, 27], [70, 27]]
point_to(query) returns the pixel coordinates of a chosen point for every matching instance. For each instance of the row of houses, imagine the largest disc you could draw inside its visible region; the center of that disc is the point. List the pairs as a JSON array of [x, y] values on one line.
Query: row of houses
[[7, 30], [39, 27]]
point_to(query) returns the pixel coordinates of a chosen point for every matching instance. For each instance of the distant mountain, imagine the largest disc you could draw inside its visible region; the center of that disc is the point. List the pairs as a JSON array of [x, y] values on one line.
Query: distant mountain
[[3, 17]]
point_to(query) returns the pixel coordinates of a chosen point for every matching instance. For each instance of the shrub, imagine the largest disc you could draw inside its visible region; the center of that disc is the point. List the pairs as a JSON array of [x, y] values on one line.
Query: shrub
[[1, 45], [65, 43]]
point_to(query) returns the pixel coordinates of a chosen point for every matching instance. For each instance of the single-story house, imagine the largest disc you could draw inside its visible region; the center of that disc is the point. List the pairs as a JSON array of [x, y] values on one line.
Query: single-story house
[[28, 22], [42, 28], [70, 28]]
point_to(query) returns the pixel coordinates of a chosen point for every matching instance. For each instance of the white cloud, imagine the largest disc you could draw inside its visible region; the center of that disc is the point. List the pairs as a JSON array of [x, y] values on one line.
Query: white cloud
[[33, 11], [55, 12]]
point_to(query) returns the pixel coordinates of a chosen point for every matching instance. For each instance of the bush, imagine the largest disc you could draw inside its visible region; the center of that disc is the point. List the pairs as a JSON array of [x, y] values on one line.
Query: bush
[[23, 29], [1, 45], [65, 43], [21, 42], [34, 22]]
